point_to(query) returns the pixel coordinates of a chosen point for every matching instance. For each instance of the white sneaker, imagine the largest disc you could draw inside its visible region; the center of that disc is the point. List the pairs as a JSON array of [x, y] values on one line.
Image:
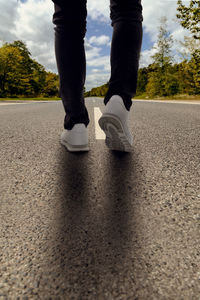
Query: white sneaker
[[114, 122], [75, 139]]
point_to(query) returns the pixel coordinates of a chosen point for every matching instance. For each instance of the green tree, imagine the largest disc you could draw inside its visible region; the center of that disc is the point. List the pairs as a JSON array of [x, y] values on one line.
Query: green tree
[[20, 75], [38, 78], [51, 85], [12, 78], [18, 65], [97, 91], [33, 71], [142, 81], [160, 80], [25, 53], [189, 18], [26, 62], [163, 57]]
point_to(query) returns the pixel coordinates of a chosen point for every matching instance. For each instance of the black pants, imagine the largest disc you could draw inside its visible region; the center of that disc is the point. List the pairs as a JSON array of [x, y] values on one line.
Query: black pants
[[70, 20]]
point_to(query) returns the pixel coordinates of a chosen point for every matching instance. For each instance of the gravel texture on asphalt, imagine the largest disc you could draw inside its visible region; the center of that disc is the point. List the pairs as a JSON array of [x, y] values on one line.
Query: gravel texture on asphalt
[[100, 224]]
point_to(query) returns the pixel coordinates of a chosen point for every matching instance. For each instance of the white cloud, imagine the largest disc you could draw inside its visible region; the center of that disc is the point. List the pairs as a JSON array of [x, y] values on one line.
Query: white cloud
[[152, 12], [32, 22], [102, 61], [8, 17], [34, 26], [100, 40], [145, 57], [96, 79], [91, 51], [99, 10]]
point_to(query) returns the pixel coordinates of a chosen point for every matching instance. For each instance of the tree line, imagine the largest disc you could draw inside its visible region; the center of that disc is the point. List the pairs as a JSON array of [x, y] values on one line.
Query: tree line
[[22, 76]]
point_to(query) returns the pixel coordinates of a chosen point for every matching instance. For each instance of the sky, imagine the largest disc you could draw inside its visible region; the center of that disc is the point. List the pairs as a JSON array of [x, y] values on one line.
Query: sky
[[31, 22]]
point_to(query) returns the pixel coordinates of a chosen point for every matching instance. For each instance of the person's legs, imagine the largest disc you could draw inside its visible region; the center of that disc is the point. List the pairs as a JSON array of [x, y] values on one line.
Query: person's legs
[[70, 20], [126, 16]]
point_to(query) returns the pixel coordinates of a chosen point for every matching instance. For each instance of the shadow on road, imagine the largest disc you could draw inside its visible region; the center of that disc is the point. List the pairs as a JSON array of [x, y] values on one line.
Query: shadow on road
[[93, 234]]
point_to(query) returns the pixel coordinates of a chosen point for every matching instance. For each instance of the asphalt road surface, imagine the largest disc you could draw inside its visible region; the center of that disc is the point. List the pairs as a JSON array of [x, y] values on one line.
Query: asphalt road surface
[[100, 224]]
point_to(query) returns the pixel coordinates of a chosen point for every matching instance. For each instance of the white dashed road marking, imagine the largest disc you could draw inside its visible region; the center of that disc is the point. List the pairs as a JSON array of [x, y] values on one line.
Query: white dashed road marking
[[100, 135]]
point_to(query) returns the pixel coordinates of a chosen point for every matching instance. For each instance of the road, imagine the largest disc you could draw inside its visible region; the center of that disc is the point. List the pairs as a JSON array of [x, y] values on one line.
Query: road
[[100, 224]]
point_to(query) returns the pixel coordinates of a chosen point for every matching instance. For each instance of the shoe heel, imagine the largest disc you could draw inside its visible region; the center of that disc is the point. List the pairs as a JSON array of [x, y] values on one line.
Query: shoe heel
[[115, 136]]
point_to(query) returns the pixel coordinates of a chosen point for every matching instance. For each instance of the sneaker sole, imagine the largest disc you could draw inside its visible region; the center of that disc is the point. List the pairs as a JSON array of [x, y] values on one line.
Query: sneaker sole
[[116, 138], [74, 148]]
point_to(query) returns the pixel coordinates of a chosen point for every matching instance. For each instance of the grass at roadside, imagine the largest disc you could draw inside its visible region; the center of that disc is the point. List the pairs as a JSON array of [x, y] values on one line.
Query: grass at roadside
[[30, 99], [142, 97], [175, 97]]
